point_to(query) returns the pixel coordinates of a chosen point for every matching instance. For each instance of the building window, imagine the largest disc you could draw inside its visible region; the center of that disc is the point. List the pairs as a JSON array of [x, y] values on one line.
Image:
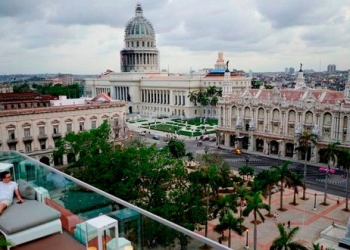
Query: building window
[[43, 144], [69, 127], [27, 132], [41, 130], [12, 147], [28, 147], [93, 124], [12, 135], [55, 129], [81, 126]]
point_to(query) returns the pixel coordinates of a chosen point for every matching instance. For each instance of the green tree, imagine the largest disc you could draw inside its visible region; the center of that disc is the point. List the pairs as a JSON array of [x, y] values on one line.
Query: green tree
[[266, 181], [245, 171], [232, 224], [87, 146], [284, 178], [305, 139], [254, 205], [284, 240], [331, 155], [207, 180], [295, 182], [193, 97], [177, 148], [22, 88]]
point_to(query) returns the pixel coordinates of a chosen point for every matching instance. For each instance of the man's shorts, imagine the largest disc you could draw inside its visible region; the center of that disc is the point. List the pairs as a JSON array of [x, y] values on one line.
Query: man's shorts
[[6, 202]]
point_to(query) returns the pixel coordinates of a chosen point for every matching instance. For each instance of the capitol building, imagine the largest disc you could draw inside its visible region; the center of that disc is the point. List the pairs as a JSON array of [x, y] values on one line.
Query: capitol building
[[148, 91]]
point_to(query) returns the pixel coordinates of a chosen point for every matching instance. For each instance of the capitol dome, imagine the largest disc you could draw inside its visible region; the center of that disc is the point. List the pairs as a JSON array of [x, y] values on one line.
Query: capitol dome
[[139, 26], [140, 53]]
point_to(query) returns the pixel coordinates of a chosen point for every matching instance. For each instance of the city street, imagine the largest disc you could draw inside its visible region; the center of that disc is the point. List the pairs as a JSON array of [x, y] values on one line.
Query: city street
[[314, 179]]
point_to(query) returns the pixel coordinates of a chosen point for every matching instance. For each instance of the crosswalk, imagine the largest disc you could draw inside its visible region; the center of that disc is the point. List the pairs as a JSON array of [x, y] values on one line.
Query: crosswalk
[[259, 164]]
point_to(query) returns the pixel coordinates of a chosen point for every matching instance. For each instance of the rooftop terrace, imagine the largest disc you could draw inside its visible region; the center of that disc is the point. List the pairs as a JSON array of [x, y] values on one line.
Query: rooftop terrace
[[79, 202]]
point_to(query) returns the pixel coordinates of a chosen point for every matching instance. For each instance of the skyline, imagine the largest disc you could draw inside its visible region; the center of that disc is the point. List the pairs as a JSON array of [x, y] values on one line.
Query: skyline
[[85, 37]]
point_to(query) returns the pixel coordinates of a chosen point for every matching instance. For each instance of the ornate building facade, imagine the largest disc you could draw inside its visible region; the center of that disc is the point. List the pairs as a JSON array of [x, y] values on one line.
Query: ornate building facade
[[147, 91], [271, 120], [34, 130]]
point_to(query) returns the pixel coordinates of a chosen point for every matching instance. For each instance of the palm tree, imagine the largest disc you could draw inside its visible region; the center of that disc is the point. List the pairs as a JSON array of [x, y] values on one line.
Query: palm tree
[[284, 241], [220, 229], [254, 205], [304, 143], [285, 177], [331, 155], [295, 182], [225, 204], [244, 194], [232, 224], [266, 181], [193, 96], [245, 171], [208, 178]]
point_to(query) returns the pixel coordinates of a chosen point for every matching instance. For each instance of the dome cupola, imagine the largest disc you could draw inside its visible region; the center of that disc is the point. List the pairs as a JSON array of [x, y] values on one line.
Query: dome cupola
[[140, 53]]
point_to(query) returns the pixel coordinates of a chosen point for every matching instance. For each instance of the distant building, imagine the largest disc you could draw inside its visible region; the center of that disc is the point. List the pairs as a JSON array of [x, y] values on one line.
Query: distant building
[[6, 88], [331, 68], [291, 70], [67, 79], [286, 70]]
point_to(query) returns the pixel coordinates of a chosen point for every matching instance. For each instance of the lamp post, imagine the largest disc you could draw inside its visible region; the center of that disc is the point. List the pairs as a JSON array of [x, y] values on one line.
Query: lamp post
[[246, 160], [315, 202], [246, 242], [325, 187]]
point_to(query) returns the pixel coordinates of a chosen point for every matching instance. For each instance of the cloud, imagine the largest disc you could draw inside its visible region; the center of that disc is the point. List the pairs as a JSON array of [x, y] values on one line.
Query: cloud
[[86, 36]]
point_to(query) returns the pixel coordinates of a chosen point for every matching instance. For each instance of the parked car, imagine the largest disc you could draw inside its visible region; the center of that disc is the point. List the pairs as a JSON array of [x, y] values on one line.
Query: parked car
[[237, 151], [155, 137], [324, 170], [143, 133]]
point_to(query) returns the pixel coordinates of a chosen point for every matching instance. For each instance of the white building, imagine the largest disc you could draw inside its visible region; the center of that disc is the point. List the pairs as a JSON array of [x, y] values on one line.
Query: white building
[[146, 90], [33, 131]]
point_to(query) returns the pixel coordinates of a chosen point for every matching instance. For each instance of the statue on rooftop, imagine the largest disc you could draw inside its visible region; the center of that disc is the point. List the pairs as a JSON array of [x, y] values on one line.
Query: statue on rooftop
[[227, 64], [301, 67]]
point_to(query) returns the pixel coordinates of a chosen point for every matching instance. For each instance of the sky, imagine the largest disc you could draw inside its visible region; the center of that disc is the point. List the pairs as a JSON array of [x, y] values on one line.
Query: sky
[[86, 36]]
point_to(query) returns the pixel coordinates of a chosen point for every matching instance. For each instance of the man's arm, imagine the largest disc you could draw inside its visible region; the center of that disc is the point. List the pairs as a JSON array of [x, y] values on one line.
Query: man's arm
[[18, 195]]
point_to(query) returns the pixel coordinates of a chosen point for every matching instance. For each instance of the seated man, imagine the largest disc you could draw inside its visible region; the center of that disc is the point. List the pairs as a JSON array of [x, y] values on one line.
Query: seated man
[[7, 189]]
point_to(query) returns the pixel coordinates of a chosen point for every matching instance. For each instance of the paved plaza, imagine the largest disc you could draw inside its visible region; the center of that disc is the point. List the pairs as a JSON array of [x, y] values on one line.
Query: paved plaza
[[313, 223]]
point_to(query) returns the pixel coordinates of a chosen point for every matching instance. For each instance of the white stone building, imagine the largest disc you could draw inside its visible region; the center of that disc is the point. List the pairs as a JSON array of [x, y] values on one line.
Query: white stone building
[[270, 121], [146, 90], [33, 131]]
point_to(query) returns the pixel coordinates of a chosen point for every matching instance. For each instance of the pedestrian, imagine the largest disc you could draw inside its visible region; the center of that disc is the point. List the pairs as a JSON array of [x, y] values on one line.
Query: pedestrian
[[288, 224], [275, 216]]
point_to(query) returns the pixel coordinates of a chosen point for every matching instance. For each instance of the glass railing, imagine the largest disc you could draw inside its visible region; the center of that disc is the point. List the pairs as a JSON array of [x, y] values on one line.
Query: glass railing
[[84, 208]]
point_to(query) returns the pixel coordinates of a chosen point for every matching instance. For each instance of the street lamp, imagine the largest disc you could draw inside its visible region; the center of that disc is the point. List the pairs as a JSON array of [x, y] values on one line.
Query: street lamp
[[246, 242], [315, 202], [326, 186], [246, 160]]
